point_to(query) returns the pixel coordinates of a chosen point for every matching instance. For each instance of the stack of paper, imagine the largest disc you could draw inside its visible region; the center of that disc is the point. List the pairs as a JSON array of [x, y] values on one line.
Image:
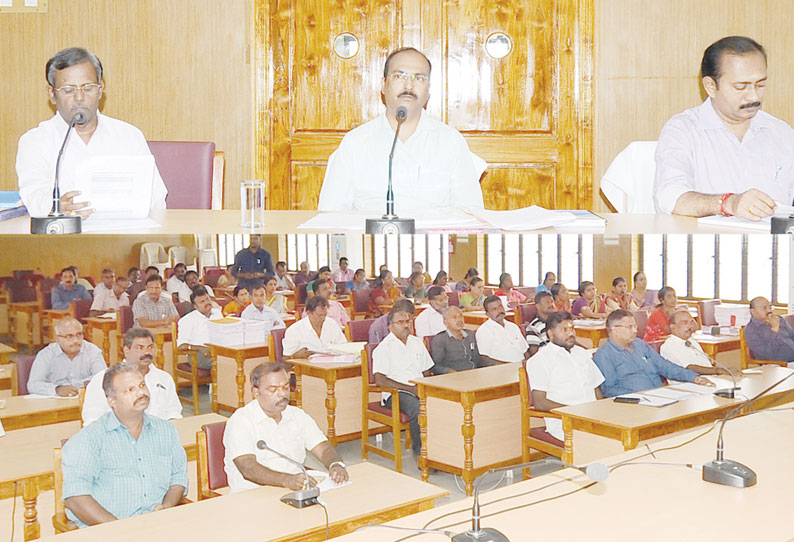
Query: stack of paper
[[226, 332], [589, 322], [583, 220], [528, 218], [330, 358], [725, 312], [254, 331], [765, 224]]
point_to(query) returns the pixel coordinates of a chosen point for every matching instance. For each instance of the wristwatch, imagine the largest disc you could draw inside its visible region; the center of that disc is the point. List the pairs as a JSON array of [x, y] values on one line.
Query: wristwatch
[[340, 463]]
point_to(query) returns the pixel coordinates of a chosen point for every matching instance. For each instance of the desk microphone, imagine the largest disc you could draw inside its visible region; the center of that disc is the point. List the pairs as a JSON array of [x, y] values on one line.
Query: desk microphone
[[303, 497], [728, 393], [595, 471], [732, 473], [57, 221], [390, 223]]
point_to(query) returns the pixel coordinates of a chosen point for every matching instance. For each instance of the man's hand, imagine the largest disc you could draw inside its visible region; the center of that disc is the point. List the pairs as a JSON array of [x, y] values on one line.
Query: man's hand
[[338, 473], [303, 353], [752, 205], [703, 381], [69, 206], [66, 391], [774, 322], [296, 482]]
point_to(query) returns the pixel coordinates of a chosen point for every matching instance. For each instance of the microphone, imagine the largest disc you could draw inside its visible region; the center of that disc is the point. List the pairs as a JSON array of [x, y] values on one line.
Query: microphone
[[303, 497], [56, 221], [729, 393], [390, 223], [597, 472], [725, 471]]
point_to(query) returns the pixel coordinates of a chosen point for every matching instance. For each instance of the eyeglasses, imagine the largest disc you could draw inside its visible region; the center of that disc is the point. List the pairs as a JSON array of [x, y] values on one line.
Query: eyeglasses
[[274, 389], [142, 348], [88, 89], [71, 336], [404, 76]]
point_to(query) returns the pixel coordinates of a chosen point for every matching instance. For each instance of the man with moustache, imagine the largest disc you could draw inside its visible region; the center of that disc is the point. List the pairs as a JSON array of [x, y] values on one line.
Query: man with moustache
[[193, 328], [68, 290], [433, 166], [499, 339], [768, 335], [110, 297], [726, 156], [126, 463], [138, 350]]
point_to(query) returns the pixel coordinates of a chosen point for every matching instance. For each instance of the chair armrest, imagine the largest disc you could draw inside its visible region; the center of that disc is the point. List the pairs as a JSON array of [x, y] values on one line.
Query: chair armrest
[[534, 413]]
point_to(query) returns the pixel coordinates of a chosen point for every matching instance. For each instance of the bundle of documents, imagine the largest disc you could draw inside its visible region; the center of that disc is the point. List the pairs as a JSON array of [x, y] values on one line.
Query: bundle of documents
[[254, 331], [765, 224], [667, 395], [226, 332], [731, 314]]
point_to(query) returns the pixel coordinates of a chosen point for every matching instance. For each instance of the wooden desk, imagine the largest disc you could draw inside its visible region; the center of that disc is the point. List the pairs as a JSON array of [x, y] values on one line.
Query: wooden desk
[[232, 393], [162, 335], [470, 421], [30, 311], [49, 317], [594, 333], [478, 318], [5, 353], [8, 378], [714, 344], [105, 326], [643, 502], [631, 424], [376, 495], [22, 411]]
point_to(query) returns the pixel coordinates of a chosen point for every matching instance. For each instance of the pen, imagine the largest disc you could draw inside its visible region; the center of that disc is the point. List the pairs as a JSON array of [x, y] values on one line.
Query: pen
[[777, 172]]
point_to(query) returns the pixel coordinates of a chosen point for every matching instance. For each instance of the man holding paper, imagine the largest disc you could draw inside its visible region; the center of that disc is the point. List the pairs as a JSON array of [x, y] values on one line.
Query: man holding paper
[[313, 334], [75, 85]]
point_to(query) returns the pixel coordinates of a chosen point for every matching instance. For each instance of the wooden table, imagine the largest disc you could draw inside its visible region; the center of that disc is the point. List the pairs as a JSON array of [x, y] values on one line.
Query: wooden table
[[5, 353], [30, 309], [595, 333], [714, 344], [105, 326], [470, 421], [478, 318], [162, 334], [630, 423], [376, 495], [8, 379], [22, 411], [239, 360], [48, 317]]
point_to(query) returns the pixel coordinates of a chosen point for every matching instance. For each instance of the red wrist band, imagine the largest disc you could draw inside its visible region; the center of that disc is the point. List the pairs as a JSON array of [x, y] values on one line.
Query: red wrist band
[[723, 199]]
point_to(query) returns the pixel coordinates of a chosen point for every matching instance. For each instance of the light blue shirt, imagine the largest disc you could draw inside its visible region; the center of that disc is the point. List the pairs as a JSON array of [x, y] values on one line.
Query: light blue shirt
[[61, 297], [125, 476], [267, 314], [53, 368]]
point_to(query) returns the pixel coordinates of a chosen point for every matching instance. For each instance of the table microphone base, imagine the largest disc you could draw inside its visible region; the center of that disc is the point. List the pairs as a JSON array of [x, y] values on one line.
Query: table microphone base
[[729, 473], [302, 498], [56, 224], [728, 393], [482, 535], [390, 224]]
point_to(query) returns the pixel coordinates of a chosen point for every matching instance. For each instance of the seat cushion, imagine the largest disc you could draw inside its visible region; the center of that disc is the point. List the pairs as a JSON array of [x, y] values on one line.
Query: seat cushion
[[540, 433], [202, 373], [386, 411]]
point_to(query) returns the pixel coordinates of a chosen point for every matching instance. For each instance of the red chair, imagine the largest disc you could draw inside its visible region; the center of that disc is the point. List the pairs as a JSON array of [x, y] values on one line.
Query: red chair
[[300, 294], [454, 299], [188, 172], [212, 274], [125, 322], [183, 307], [706, 312], [641, 317], [23, 365], [534, 438], [275, 344], [428, 340], [211, 474], [361, 302], [79, 309], [526, 313], [358, 330]]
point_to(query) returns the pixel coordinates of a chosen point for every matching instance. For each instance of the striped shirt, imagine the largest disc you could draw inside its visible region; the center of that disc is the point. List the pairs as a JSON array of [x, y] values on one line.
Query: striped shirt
[[536, 333], [125, 476], [144, 307]]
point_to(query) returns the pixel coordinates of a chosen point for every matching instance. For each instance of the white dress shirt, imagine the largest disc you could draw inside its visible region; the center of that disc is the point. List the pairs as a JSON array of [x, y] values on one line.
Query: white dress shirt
[[175, 285], [267, 314], [105, 300], [192, 328], [433, 168], [429, 322], [292, 436], [676, 350], [569, 378], [402, 362], [301, 334], [38, 149], [163, 400], [501, 343], [52, 368]]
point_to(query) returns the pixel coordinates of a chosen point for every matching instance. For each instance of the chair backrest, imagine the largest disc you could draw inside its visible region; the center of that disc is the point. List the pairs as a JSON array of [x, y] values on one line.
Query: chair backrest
[[80, 309], [153, 254], [657, 345], [641, 317], [358, 330], [526, 313], [361, 300], [126, 319], [211, 464], [177, 254], [628, 182], [23, 363], [454, 299], [706, 311], [428, 340], [528, 291], [23, 274], [276, 344], [300, 294], [20, 291], [47, 284], [524, 388], [366, 364], [212, 274], [186, 169], [183, 307]]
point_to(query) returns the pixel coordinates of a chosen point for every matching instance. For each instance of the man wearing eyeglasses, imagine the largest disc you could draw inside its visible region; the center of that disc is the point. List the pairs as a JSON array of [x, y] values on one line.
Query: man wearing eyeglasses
[[433, 166], [138, 349], [63, 367], [75, 85]]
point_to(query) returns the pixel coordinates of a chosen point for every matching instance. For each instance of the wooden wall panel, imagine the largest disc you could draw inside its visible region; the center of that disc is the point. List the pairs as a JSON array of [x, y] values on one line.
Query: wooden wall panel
[[307, 179], [508, 186]]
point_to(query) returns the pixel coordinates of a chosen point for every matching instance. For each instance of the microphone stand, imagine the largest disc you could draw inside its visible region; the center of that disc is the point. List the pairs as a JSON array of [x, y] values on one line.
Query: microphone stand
[[303, 497], [729, 393]]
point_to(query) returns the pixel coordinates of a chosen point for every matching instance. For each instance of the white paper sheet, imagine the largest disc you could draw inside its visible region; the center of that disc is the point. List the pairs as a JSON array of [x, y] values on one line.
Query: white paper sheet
[[118, 186], [765, 224], [96, 224], [527, 218], [324, 481]]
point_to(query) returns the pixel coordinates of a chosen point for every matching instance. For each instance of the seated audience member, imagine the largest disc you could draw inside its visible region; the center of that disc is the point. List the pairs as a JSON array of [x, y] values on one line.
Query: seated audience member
[[336, 311], [177, 284], [419, 267], [562, 298], [455, 349], [192, 280], [548, 281], [416, 287], [134, 274], [619, 298], [589, 303], [304, 275], [384, 294], [283, 282], [283, 428], [359, 281], [138, 349], [430, 321], [63, 367], [441, 280], [343, 272], [127, 462], [258, 310], [273, 299], [768, 335], [110, 300], [499, 339], [241, 299], [658, 326], [314, 334], [68, 290], [193, 330], [227, 279], [726, 156], [474, 298], [514, 297], [135, 289], [464, 284], [323, 275], [398, 359], [629, 364], [380, 327], [640, 293], [153, 309], [683, 350], [106, 283], [536, 330], [562, 373], [85, 283]]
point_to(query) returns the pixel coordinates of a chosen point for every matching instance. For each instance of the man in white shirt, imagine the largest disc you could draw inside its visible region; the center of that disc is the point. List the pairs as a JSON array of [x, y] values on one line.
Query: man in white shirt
[[683, 350], [562, 372], [177, 285], [192, 329], [288, 430], [430, 321], [75, 86], [283, 282], [498, 339], [258, 310], [315, 333], [398, 359], [336, 311], [192, 280], [433, 166], [110, 300], [138, 348]]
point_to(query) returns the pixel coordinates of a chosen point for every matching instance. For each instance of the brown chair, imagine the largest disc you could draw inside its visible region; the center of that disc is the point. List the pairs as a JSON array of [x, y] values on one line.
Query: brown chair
[[454, 299], [79, 309], [358, 330], [747, 358], [22, 366], [25, 298], [183, 307], [276, 344], [212, 274], [536, 438], [60, 521], [528, 291], [385, 416], [428, 340], [361, 303], [125, 321], [641, 317], [211, 474], [706, 312], [188, 373], [525, 313], [191, 173]]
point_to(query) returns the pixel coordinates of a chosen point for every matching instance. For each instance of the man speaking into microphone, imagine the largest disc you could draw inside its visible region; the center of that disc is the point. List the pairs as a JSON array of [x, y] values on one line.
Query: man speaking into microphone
[[433, 166], [75, 87]]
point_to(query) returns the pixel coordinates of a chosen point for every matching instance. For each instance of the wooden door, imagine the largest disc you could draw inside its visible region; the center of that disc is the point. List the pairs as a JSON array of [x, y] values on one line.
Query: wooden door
[[528, 113]]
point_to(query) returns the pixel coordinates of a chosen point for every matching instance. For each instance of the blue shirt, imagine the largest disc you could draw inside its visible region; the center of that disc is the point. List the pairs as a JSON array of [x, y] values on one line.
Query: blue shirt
[[61, 297], [641, 368], [125, 476], [767, 344], [253, 262]]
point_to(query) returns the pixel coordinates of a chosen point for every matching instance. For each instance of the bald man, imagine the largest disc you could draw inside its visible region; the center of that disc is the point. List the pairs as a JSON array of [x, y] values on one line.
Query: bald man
[[768, 335]]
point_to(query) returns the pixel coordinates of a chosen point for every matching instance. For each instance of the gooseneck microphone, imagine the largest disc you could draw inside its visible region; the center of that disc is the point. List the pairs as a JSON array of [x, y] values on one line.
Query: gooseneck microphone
[[57, 221], [303, 497], [728, 393], [390, 223]]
